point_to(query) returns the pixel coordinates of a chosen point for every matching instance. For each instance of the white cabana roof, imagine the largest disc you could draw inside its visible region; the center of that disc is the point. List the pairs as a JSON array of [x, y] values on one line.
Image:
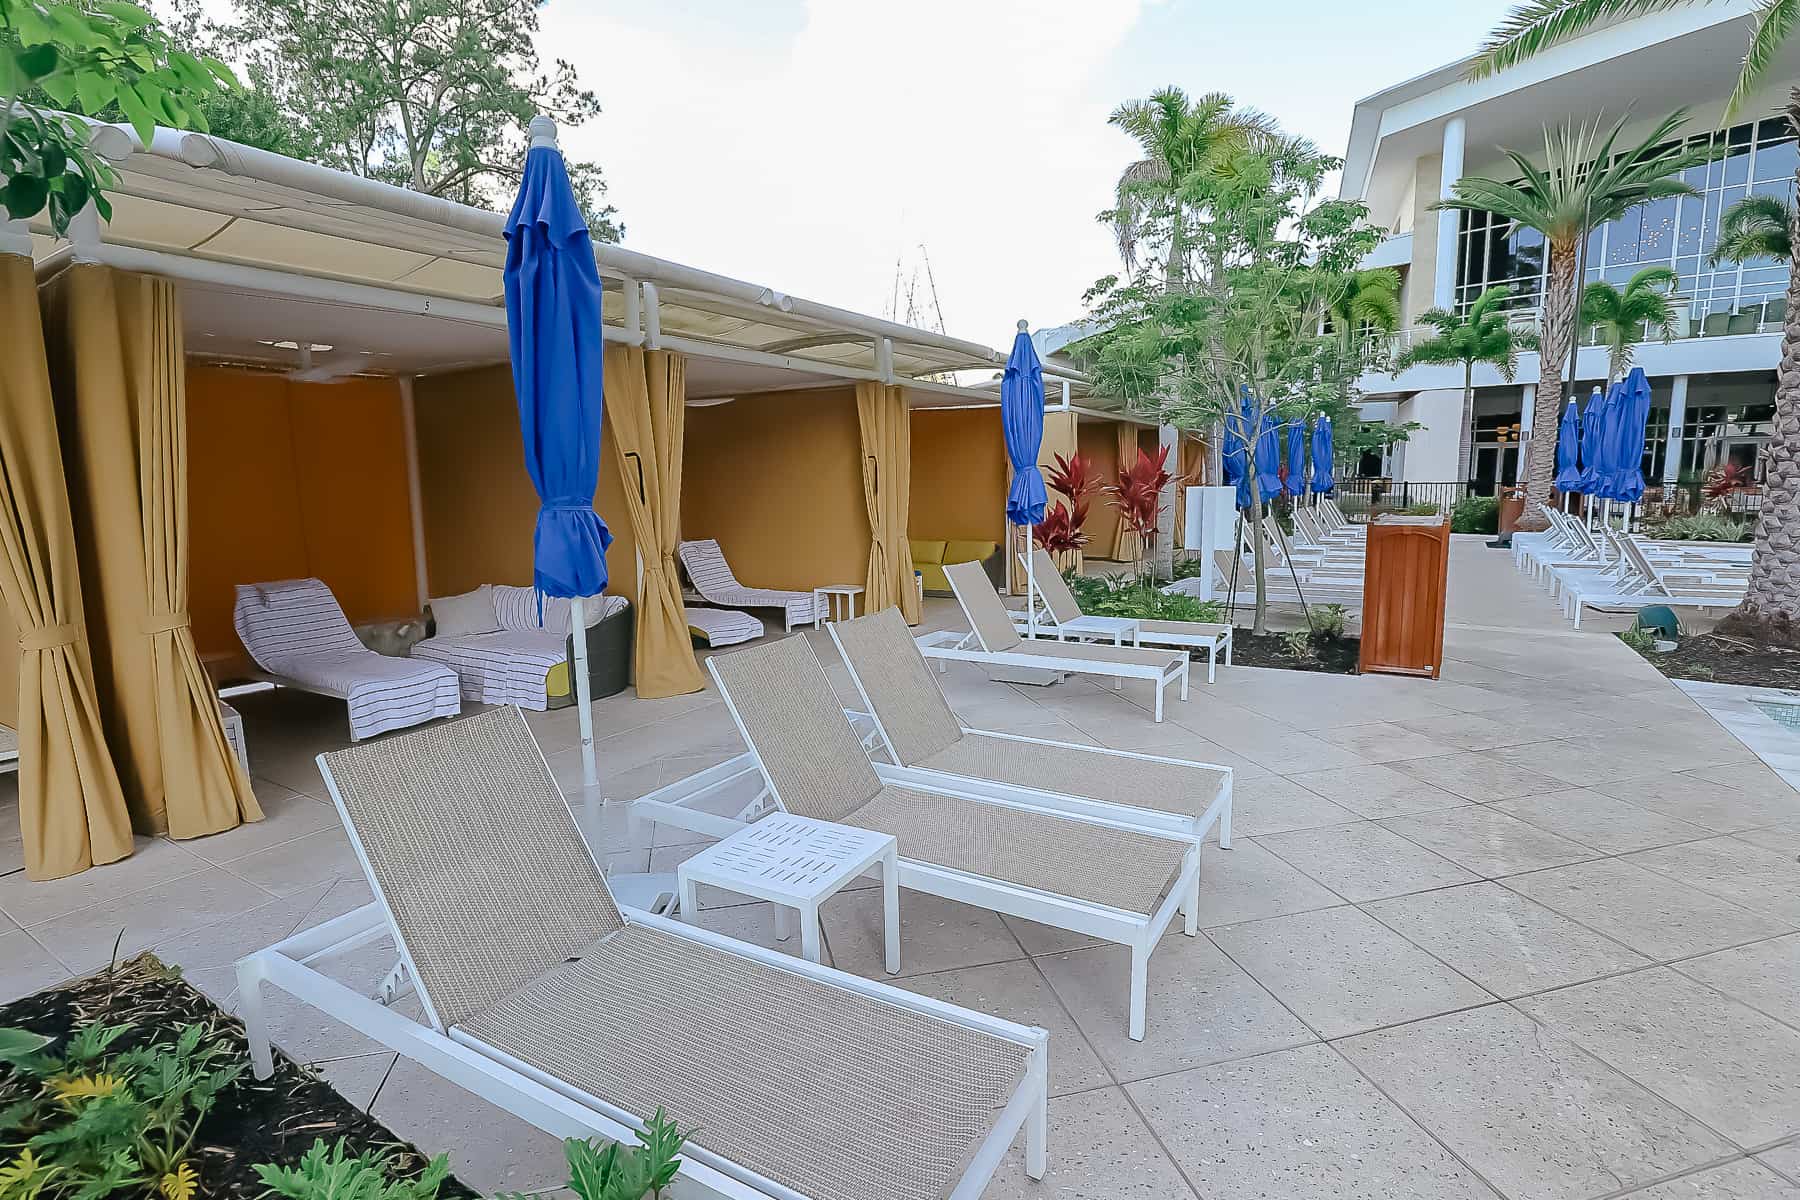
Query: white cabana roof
[[331, 256]]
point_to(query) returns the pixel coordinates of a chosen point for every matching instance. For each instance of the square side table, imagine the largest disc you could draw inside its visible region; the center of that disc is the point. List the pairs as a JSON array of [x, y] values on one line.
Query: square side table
[[798, 863]]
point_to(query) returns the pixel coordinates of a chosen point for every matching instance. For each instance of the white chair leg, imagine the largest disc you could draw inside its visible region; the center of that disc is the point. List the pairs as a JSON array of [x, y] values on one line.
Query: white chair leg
[[1184, 678], [1191, 910], [1159, 685], [1140, 990], [1037, 1135], [1228, 641], [1225, 826], [1212, 663], [250, 1012]]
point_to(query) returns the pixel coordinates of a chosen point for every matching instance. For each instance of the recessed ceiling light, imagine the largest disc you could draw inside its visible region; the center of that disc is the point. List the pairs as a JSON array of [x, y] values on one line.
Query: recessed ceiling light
[[290, 344]]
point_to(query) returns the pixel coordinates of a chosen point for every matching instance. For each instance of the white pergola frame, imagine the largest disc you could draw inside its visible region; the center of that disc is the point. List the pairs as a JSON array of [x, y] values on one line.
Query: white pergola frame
[[559, 1108]]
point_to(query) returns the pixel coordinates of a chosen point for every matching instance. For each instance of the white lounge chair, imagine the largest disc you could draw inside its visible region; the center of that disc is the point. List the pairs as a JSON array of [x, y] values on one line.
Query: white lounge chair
[[722, 626], [1060, 616], [918, 729], [9, 750], [711, 576], [1649, 583], [297, 634], [993, 642], [1012, 854], [545, 998]]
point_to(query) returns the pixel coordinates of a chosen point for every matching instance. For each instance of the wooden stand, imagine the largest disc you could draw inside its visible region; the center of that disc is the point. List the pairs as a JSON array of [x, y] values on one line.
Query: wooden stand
[[1404, 582]]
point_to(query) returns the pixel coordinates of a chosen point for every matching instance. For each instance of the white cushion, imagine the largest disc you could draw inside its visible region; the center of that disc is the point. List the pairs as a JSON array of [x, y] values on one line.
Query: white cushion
[[469, 613]]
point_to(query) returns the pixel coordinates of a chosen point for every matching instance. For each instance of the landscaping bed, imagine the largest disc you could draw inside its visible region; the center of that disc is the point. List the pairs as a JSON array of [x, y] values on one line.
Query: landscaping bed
[[1332, 656], [253, 1121], [1714, 658]]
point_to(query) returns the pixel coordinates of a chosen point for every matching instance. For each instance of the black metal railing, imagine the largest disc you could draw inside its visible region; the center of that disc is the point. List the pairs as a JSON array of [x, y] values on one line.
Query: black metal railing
[[1361, 499]]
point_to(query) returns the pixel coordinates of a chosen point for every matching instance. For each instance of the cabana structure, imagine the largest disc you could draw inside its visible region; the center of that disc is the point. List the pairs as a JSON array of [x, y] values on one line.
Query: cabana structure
[[349, 414]]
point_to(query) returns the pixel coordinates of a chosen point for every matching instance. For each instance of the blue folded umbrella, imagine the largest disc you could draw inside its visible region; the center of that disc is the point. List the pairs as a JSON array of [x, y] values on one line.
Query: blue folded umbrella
[[1234, 459], [1022, 423], [1295, 483], [553, 330], [1322, 451], [1591, 437], [1268, 453], [1568, 451], [1631, 413]]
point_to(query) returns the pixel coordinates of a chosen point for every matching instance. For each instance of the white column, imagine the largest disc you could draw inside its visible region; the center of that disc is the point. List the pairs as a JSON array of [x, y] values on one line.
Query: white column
[[1527, 410], [1677, 418], [1168, 438], [1443, 292]]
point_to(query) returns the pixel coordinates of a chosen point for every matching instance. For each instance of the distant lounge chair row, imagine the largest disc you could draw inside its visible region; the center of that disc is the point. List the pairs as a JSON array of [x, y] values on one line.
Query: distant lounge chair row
[[1058, 614], [544, 997]]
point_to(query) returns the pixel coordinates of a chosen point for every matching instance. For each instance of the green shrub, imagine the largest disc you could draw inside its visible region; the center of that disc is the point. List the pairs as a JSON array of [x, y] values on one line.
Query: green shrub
[[329, 1173], [1122, 596], [1328, 622], [1639, 639], [1423, 508], [1476, 514], [1299, 645], [1704, 527]]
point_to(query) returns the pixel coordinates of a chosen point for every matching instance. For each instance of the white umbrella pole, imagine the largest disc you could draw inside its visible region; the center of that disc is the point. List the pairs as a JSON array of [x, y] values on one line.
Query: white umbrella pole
[[1030, 586], [584, 693]]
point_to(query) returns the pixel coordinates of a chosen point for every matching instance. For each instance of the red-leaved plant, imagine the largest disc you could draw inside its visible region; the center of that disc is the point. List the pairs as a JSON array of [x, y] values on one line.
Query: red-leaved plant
[[1061, 532], [1138, 494], [1732, 477]]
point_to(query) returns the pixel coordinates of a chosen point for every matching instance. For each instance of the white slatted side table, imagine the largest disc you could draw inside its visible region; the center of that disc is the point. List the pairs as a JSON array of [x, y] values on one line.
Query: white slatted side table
[[798, 863]]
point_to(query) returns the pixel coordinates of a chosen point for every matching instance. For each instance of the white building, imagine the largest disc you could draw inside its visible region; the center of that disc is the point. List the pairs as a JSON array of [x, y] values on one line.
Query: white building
[[1713, 387]]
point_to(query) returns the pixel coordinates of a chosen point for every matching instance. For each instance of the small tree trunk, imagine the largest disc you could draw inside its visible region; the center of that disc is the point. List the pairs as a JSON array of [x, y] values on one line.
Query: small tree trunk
[[1558, 323], [1465, 448], [1259, 623], [1770, 612]]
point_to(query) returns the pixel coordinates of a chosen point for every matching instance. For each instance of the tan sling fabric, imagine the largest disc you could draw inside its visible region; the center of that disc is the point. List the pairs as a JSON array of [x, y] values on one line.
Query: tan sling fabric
[[898, 683], [118, 373], [982, 605], [887, 485], [1125, 543], [1055, 589], [1187, 789], [476, 856], [71, 810], [646, 396], [835, 1095]]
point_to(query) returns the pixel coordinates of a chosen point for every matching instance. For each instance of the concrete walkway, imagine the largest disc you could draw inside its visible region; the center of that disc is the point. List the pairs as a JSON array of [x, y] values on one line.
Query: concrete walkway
[[1532, 930]]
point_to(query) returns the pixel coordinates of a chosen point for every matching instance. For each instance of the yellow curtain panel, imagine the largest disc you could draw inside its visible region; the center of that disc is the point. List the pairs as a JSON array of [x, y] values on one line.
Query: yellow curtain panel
[[886, 428], [118, 371], [646, 397], [1125, 545], [71, 811]]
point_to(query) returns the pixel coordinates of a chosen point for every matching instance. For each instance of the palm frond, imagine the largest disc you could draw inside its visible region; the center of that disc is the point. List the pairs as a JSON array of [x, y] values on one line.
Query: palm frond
[[1775, 21], [1755, 227], [1537, 25]]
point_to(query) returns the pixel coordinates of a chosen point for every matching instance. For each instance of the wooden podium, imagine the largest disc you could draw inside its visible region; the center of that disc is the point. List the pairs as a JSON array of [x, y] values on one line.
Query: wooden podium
[[1404, 581]]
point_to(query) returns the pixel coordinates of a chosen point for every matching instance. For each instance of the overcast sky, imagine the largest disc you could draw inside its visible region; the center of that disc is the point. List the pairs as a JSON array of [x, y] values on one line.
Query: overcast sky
[[809, 144]]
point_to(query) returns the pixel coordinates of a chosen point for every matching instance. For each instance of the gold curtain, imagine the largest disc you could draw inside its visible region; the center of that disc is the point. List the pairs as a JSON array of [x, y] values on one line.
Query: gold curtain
[[71, 811], [886, 426], [1125, 544], [118, 371], [1189, 467], [646, 397]]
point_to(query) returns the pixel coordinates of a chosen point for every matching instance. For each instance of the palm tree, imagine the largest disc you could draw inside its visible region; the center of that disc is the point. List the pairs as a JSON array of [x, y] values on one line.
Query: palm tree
[[1366, 301], [1584, 182], [1771, 608], [1756, 227], [1481, 335], [1623, 316], [1179, 136]]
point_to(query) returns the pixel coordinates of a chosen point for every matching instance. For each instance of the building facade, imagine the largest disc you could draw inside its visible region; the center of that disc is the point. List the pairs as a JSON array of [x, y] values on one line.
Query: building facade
[[1713, 384]]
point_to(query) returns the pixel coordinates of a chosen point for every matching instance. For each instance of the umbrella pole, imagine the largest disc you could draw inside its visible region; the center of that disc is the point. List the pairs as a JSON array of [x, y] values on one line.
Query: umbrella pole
[[1030, 586], [584, 697]]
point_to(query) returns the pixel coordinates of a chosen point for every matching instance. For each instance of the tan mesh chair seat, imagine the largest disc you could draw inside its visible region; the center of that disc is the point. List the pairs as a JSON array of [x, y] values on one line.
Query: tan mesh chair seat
[[1049, 853], [1185, 789], [835, 1095], [1084, 652]]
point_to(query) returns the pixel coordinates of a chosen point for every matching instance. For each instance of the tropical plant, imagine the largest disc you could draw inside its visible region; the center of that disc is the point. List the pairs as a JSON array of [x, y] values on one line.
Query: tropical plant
[[1726, 479], [1624, 315], [1060, 531], [1179, 136], [333, 1173], [432, 95], [1123, 596], [89, 1121], [1703, 527], [1770, 611], [611, 1171], [1476, 514], [1137, 495], [1483, 334], [1756, 227], [1328, 621], [100, 54], [1366, 300], [1585, 181]]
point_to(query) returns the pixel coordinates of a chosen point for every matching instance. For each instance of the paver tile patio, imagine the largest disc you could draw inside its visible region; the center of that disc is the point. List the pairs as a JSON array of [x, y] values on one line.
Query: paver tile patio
[[1362, 861], [1101, 1148], [1764, 975], [1744, 1179], [1478, 777], [1378, 791], [1488, 842], [1598, 820]]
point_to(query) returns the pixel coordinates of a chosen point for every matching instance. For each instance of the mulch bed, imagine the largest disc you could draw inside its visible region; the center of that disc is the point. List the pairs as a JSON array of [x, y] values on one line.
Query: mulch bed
[[1714, 658], [273, 1120], [1335, 657]]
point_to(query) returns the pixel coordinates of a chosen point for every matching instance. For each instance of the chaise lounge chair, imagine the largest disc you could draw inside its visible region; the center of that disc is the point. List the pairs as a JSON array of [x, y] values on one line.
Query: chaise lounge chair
[[1011, 854], [545, 998], [918, 729], [1061, 617], [297, 634], [997, 644], [711, 576], [9, 750], [721, 626]]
